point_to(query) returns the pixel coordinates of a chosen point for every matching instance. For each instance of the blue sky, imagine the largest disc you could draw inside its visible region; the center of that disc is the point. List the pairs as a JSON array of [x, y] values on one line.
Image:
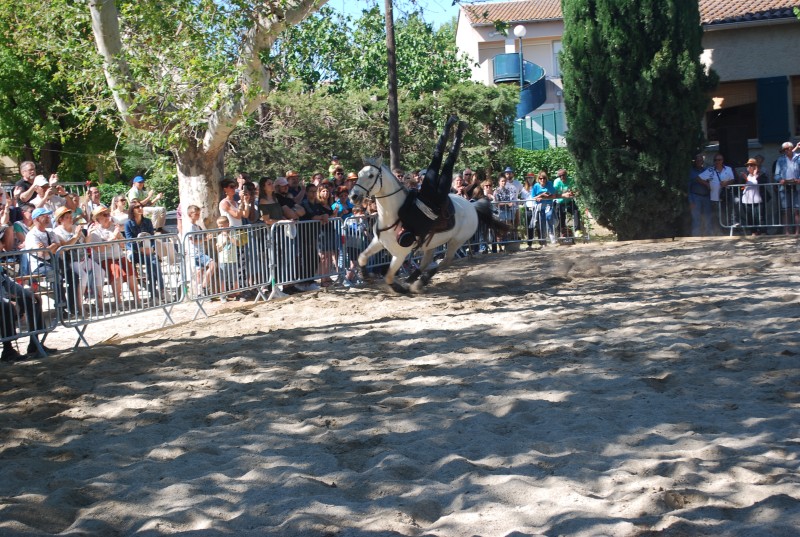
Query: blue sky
[[435, 12]]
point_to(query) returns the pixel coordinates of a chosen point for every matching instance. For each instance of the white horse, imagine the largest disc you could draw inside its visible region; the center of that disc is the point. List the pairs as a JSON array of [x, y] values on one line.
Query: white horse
[[378, 181]]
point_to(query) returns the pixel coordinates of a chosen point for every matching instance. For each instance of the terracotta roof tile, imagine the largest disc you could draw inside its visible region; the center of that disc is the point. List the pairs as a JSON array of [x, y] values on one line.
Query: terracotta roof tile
[[721, 11], [711, 11], [487, 13]]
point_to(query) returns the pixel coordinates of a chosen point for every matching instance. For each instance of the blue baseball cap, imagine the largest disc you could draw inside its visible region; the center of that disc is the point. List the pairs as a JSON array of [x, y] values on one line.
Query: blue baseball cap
[[41, 211], [138, 179], [508, 169]]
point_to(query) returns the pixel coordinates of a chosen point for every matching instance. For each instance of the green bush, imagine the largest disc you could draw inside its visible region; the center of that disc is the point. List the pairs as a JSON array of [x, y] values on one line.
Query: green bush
[[549, 160], [109, 190]]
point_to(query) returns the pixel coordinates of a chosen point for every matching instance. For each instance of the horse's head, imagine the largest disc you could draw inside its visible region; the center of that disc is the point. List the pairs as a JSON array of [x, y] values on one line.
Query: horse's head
[[368, 183]]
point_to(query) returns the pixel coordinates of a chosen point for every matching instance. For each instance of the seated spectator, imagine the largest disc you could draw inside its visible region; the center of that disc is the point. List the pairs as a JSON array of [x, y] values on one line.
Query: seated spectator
[[141, 252], [17, 302], [119, 210], [6, 228], [48, 194], [84, 267], [93, 200], [112, 259], [42, 244], [22, 226], [148, 200]]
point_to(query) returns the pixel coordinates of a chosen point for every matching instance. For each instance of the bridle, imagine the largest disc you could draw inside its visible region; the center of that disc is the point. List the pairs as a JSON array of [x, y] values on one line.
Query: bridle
[[375, 182]]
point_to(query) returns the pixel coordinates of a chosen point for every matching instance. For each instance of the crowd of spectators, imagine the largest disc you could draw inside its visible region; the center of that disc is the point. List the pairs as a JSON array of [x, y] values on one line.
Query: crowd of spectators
[[40, 216], [755, 199]]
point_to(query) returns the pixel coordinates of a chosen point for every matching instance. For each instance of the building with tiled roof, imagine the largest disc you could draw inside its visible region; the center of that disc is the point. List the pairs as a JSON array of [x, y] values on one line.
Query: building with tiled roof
[[711, 11], [751, 44]]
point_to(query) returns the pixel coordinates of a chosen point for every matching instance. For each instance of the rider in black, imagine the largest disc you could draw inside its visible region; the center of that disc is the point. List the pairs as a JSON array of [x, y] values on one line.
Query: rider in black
[[420, 210]]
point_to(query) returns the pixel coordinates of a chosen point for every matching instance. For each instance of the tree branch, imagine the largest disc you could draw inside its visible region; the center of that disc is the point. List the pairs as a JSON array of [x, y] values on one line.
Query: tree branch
[[105, 26], [255, 84]]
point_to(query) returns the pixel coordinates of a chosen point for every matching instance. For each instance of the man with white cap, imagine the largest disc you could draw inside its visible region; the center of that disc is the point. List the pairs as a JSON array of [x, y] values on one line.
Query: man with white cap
[[787, 174], [47, 194]]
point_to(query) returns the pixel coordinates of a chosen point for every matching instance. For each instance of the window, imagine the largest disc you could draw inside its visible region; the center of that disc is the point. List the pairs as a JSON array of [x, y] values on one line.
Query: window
[[556, 65]]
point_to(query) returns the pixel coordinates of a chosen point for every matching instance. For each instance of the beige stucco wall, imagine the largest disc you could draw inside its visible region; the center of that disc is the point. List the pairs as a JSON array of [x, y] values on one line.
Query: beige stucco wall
[[749, 52], [482, 43]]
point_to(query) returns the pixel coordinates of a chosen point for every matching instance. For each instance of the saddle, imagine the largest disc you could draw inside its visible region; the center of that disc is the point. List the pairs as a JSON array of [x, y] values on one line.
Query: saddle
[[418, 221]]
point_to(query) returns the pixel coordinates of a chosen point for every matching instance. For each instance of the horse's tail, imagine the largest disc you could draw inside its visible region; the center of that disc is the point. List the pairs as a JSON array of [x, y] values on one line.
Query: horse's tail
[[485, 216]]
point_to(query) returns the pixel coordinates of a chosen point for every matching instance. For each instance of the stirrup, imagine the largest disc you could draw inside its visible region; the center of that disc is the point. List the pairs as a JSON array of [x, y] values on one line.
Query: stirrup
[[405, 238]]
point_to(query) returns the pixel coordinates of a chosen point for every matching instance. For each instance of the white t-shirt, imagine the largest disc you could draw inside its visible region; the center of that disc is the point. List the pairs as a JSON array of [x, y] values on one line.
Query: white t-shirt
[[35, 240], [716, 177]]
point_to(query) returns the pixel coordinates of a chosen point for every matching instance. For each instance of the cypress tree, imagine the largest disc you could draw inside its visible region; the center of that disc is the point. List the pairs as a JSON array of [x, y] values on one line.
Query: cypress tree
[[635, 92]]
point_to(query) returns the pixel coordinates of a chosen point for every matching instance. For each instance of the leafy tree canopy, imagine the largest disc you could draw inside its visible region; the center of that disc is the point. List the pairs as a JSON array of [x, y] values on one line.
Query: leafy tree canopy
[[301, 130], [343, 53]]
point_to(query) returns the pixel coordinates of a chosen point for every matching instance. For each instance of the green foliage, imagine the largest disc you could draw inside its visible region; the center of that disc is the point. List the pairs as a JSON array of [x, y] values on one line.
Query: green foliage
[[37, 113], [136, 159], [635, 92], [303, 130], [348, 54], [549, 160], [109, 190]]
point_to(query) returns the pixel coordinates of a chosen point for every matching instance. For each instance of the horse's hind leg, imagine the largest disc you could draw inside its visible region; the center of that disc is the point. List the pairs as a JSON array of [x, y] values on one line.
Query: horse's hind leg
[[426, 274]]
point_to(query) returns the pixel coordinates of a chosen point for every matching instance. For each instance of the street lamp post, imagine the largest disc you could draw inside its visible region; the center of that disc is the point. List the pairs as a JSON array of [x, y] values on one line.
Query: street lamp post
[[519, 32]]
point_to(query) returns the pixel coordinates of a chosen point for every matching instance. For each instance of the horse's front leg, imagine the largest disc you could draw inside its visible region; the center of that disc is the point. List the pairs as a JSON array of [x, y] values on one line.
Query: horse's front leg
[[394, 266], [363, 258]]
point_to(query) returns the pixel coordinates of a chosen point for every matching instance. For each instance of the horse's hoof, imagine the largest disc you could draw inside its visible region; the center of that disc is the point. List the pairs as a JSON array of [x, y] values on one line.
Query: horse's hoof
[[418, 287], [399, 288], [414, 276]]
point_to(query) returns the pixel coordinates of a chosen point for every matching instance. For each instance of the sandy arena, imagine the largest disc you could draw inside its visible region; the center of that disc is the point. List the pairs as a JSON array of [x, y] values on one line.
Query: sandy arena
[[622, 389]]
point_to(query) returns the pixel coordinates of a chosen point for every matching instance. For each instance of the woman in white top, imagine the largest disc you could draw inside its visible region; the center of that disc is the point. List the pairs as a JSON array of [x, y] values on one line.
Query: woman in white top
[[119, 210], [228, 206], [752, 200], [80, 260]]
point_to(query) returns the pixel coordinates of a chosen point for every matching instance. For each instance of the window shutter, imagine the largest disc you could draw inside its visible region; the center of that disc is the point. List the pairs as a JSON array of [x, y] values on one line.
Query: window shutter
[[773, 109]]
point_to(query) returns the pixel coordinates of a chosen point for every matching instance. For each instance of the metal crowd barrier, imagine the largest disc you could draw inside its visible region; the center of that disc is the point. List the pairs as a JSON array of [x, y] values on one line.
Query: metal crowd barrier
[[110, 279], [358, 234], [90, 282], [224, 262], [28, 299], [532, 223], [305, 251], [767, 208]]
